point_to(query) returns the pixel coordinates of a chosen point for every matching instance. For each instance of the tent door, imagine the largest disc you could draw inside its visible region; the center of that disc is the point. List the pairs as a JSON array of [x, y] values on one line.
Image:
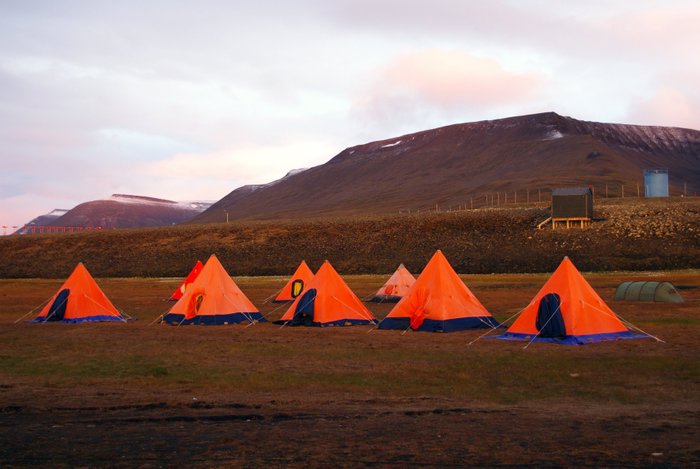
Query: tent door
[[304, 313], [57, 311], [550, 322], [297, 287]]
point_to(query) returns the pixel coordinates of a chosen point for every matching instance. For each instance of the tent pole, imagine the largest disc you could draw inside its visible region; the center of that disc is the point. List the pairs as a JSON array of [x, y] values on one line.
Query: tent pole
[[40, 306], [627, 323], [489, 331]]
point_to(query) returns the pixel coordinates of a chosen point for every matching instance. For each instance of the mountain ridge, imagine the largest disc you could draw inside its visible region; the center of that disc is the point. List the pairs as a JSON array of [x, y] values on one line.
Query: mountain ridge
[[130, 211], [454, 164]]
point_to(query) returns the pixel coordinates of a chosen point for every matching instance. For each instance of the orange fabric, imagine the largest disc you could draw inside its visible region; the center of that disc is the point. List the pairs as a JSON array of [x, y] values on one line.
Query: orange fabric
[[583, 311], [302, 273], [334, 299], [177, 294], [86, 298], [438, 294], [220, 294], [398, 284]]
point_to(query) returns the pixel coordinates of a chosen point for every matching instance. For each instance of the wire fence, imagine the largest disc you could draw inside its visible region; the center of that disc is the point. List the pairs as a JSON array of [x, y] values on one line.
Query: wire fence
[[48, 229], [537, 197], [528, 197]]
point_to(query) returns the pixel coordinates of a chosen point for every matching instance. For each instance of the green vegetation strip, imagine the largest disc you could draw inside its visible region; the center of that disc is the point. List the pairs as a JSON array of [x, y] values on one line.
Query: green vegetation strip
[[503, 377]]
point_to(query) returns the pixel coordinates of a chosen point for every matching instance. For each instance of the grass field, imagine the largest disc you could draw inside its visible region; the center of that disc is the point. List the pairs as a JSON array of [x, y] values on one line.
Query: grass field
[[151, 395]]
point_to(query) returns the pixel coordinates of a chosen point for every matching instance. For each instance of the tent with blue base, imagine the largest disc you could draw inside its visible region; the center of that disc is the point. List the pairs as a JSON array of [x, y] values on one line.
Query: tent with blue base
[[327, 301], [438, 302], [78, 300], [568, 311], [213, 299]]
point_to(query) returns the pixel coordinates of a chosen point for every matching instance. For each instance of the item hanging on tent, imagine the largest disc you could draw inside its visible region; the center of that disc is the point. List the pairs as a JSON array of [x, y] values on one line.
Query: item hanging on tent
[[213, 299], [438, 302], [567, 310], [327, 301], [296, 284], [177, 294], [396, 287], [79, 299]]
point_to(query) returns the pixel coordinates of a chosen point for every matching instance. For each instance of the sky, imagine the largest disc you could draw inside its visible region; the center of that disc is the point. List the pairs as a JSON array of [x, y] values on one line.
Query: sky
[[189, 100]]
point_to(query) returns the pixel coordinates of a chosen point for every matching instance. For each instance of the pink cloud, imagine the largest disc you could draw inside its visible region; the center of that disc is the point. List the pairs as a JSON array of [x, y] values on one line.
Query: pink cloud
[[670, 107], [444, 82], [659, 33]]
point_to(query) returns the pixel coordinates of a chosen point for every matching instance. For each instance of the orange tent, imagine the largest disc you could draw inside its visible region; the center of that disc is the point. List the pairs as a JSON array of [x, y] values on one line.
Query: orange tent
[[396, 287], [567, 311], [296, 285], [177, 294], [212, 299], [327, 301], [438, 302], [79, 300]]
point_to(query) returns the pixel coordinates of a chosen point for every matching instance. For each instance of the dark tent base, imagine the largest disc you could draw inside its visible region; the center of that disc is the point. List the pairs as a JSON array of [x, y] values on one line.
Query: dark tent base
[[339, 323], [385, 299], [84, 319], [571, 339], [451, 325], [214, 320]]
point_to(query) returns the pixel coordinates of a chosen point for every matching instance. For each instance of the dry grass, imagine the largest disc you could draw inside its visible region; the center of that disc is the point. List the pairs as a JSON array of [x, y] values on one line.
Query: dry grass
[[269, 359], [138, 394]]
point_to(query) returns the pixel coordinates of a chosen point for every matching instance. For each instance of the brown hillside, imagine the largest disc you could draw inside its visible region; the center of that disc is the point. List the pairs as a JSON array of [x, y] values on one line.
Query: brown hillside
[[466, 164], [630, 234]]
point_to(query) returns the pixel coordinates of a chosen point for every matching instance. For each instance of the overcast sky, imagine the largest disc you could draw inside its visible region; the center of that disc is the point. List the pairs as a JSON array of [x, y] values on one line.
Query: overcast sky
[[189, 100]]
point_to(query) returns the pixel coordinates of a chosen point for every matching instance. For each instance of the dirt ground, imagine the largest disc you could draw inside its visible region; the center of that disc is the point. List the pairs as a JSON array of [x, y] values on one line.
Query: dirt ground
[[143, 394]]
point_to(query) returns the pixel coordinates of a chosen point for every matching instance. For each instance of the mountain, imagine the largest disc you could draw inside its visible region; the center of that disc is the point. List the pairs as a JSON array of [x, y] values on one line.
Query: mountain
[[48, 218], [43, 220], [130, 211], [218, 211], [471, 165]]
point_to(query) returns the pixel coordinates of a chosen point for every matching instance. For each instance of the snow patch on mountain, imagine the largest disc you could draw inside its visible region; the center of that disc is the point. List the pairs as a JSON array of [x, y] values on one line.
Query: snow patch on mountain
[[553, 135], [291, 173]]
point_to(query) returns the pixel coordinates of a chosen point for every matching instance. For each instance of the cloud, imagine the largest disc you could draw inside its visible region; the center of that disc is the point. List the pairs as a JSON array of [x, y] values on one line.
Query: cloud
[[205, 97], [670, 107], [446, 84], [223, 170]]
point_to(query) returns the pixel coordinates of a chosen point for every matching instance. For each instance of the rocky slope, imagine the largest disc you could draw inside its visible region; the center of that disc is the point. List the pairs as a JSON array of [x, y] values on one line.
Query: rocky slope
[[474, 165]]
